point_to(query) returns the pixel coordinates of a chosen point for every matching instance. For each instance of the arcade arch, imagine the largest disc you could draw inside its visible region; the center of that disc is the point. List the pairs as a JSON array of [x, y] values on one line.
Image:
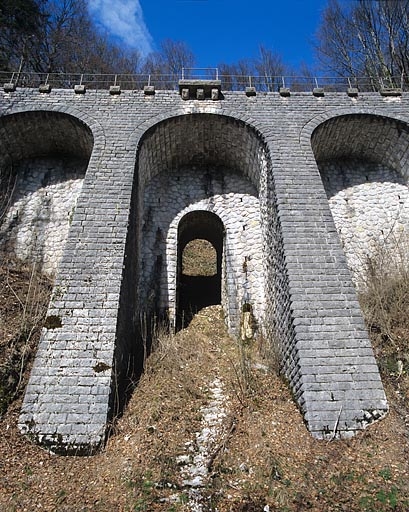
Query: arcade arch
[[364, 164]]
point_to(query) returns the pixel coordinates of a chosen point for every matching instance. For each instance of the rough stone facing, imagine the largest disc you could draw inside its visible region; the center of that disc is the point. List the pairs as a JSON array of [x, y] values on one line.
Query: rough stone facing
[[253, 161], [370, 206], [167, 199], [37, 221]]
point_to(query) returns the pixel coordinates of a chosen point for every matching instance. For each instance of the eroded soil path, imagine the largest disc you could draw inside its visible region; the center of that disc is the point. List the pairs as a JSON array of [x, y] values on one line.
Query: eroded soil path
[[210, 427]]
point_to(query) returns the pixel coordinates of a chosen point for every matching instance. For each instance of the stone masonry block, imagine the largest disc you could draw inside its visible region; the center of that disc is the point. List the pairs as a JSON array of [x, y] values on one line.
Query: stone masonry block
[[114, 90], [200, 94], [253, 166], [79, 89], [44, 88], [215, 94], [149, 90], [9, 87], [285, 91], [391, 91]]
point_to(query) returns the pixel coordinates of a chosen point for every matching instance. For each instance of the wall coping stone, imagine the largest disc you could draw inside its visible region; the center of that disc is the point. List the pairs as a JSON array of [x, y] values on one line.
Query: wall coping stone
[[79, 89], [391, 91], [194, 86], [9, 87], [115, 89], [45, 88]]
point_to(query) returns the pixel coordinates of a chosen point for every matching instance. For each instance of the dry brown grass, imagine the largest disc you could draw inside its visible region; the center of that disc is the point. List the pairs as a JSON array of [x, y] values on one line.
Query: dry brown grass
[[24, 296], [385, 304], [199, 258], [263, 456]]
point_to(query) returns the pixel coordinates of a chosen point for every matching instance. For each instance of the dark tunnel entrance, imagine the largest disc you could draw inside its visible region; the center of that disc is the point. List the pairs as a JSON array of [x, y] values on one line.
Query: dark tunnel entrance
[[199, 265]]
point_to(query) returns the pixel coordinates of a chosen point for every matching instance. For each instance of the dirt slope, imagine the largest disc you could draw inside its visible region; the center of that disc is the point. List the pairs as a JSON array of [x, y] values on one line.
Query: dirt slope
[[210, 427]]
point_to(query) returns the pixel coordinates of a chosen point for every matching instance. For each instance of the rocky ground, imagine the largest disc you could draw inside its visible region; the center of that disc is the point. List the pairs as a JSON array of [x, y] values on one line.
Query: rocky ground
[[210, 427]]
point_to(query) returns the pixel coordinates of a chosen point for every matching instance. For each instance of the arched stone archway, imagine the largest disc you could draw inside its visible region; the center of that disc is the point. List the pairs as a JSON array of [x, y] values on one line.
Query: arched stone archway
[[202, 162], [363, 161], [194, 292], [43, 159]]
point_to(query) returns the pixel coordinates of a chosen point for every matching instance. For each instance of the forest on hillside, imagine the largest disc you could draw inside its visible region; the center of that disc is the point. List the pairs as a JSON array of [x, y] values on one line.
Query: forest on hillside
[[364, 38]]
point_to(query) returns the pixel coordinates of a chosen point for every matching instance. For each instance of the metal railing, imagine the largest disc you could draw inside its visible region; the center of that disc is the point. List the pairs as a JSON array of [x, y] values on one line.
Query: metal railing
[[133, 82], [200, 74]]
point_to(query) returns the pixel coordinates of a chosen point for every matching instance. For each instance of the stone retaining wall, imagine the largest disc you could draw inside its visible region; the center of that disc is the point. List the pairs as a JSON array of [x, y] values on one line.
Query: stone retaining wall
[[261, 155]]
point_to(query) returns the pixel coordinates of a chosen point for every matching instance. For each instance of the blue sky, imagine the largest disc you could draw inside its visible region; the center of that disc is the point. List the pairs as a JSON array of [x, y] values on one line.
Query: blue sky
[[216, 30]]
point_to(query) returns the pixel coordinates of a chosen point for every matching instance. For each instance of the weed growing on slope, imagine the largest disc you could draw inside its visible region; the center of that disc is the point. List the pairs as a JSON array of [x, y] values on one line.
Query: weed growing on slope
[[24, 297]]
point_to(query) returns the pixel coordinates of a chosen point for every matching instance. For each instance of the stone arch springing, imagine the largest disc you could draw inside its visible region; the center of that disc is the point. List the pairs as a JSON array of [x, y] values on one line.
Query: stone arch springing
[[43, 159], [364, 163], [200, 162], [194, 292]]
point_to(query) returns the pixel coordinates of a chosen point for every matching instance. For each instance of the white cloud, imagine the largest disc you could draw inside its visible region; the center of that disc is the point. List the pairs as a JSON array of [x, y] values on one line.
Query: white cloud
[[123, 19]]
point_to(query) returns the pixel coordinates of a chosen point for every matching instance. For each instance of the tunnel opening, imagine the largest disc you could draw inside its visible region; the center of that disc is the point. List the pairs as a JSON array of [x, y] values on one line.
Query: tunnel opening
[[199, 264]]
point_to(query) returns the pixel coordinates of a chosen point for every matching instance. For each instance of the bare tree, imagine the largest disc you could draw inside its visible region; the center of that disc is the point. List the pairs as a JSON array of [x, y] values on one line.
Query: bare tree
[[236, 76], [19, 28], [368, 38], [264, 71], [52, 36], [270, 66], [170, 59]]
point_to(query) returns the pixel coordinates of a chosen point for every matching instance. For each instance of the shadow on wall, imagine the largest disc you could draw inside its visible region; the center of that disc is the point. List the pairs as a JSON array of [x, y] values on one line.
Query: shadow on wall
[[364, 165], [43, 159]]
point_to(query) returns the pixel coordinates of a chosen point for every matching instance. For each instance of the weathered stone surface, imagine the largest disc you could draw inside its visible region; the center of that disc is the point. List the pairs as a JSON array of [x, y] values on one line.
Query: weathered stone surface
[[200, 93], [391, 91], [253, 163], [199, 89], [44, 88], [79, 89], [9, 87], [149, 90], [285, 91], [115, 90]]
